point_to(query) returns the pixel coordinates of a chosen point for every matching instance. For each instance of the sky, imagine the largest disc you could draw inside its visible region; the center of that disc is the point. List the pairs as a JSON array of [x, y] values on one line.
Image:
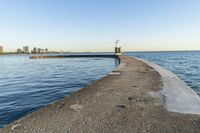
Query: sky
[[94, 25]]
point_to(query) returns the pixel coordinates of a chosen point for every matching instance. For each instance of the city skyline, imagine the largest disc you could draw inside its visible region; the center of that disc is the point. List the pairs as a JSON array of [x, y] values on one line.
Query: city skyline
[[27, 50], [92, 26]]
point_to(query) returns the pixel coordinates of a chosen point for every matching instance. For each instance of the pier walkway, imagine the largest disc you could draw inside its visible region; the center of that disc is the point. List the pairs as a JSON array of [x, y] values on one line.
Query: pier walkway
[[128, 100]]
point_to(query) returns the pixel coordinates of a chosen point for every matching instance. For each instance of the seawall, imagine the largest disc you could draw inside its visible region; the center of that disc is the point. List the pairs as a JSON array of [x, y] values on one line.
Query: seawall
[[179, 97], [73, 56], [129, 99]]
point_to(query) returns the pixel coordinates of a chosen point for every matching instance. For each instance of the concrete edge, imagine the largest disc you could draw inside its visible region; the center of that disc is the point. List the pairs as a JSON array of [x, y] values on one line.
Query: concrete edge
[[178, 96]]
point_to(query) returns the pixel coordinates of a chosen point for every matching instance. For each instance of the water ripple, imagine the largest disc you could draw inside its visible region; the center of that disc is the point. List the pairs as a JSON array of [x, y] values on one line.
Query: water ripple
[[27, 85]]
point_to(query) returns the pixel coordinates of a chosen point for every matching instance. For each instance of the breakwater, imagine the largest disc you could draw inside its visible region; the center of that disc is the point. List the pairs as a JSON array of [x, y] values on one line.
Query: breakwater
[[129, 99], [179, 97], [73, 56], [185, 64]]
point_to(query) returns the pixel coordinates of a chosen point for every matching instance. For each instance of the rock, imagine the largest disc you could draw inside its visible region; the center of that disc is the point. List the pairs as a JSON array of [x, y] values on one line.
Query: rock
[[121, 106], [76, 107], [130, 98], [137, 99], [15, 126]]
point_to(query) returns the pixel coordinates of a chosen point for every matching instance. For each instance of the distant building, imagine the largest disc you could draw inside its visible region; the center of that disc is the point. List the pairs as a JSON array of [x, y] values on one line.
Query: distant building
[[26, 49], [1, 49], [46, 50], [34, 51], [40, 50], [19, 51]]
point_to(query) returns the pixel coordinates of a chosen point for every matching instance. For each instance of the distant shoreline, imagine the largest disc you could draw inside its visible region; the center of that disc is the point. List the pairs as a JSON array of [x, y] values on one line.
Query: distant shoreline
[[15, 53]]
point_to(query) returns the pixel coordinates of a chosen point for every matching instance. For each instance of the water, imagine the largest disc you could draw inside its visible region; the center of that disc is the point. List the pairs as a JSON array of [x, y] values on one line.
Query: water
[[29, 84], [184, 64]]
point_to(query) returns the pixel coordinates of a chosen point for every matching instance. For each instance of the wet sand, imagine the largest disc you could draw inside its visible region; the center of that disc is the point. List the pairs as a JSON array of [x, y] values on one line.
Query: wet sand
[[128, 100]]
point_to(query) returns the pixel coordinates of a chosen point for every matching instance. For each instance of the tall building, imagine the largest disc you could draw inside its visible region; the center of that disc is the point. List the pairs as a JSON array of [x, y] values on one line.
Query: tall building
[[46, 50], [1, 49], [19, 51], [26, 49], [34, 51]]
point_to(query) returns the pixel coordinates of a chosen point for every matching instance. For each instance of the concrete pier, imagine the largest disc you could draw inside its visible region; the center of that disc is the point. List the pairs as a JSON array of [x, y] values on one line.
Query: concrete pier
[[179, 97], [73, 56], [128, 100]]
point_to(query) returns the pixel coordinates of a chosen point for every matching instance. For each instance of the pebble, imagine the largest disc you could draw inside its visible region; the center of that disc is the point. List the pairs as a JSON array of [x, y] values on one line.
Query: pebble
[[121, 106], [15, 126], [76, 107], [136, 99]]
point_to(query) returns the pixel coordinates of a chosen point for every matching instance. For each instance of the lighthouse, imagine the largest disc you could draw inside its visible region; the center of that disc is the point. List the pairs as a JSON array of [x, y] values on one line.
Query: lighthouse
[[117, 48]]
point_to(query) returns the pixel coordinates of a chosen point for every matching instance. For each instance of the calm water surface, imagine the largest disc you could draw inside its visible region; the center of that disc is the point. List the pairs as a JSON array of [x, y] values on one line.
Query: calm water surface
[[184, 64], [26, 85]]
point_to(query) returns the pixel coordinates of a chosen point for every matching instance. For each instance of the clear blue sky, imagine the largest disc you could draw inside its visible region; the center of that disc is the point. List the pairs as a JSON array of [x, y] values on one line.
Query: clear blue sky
[[94, 25]]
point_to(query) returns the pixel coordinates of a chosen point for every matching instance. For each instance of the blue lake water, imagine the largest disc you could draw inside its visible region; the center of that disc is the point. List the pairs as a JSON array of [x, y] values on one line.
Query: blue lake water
[[28, 84], [186, 64]]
